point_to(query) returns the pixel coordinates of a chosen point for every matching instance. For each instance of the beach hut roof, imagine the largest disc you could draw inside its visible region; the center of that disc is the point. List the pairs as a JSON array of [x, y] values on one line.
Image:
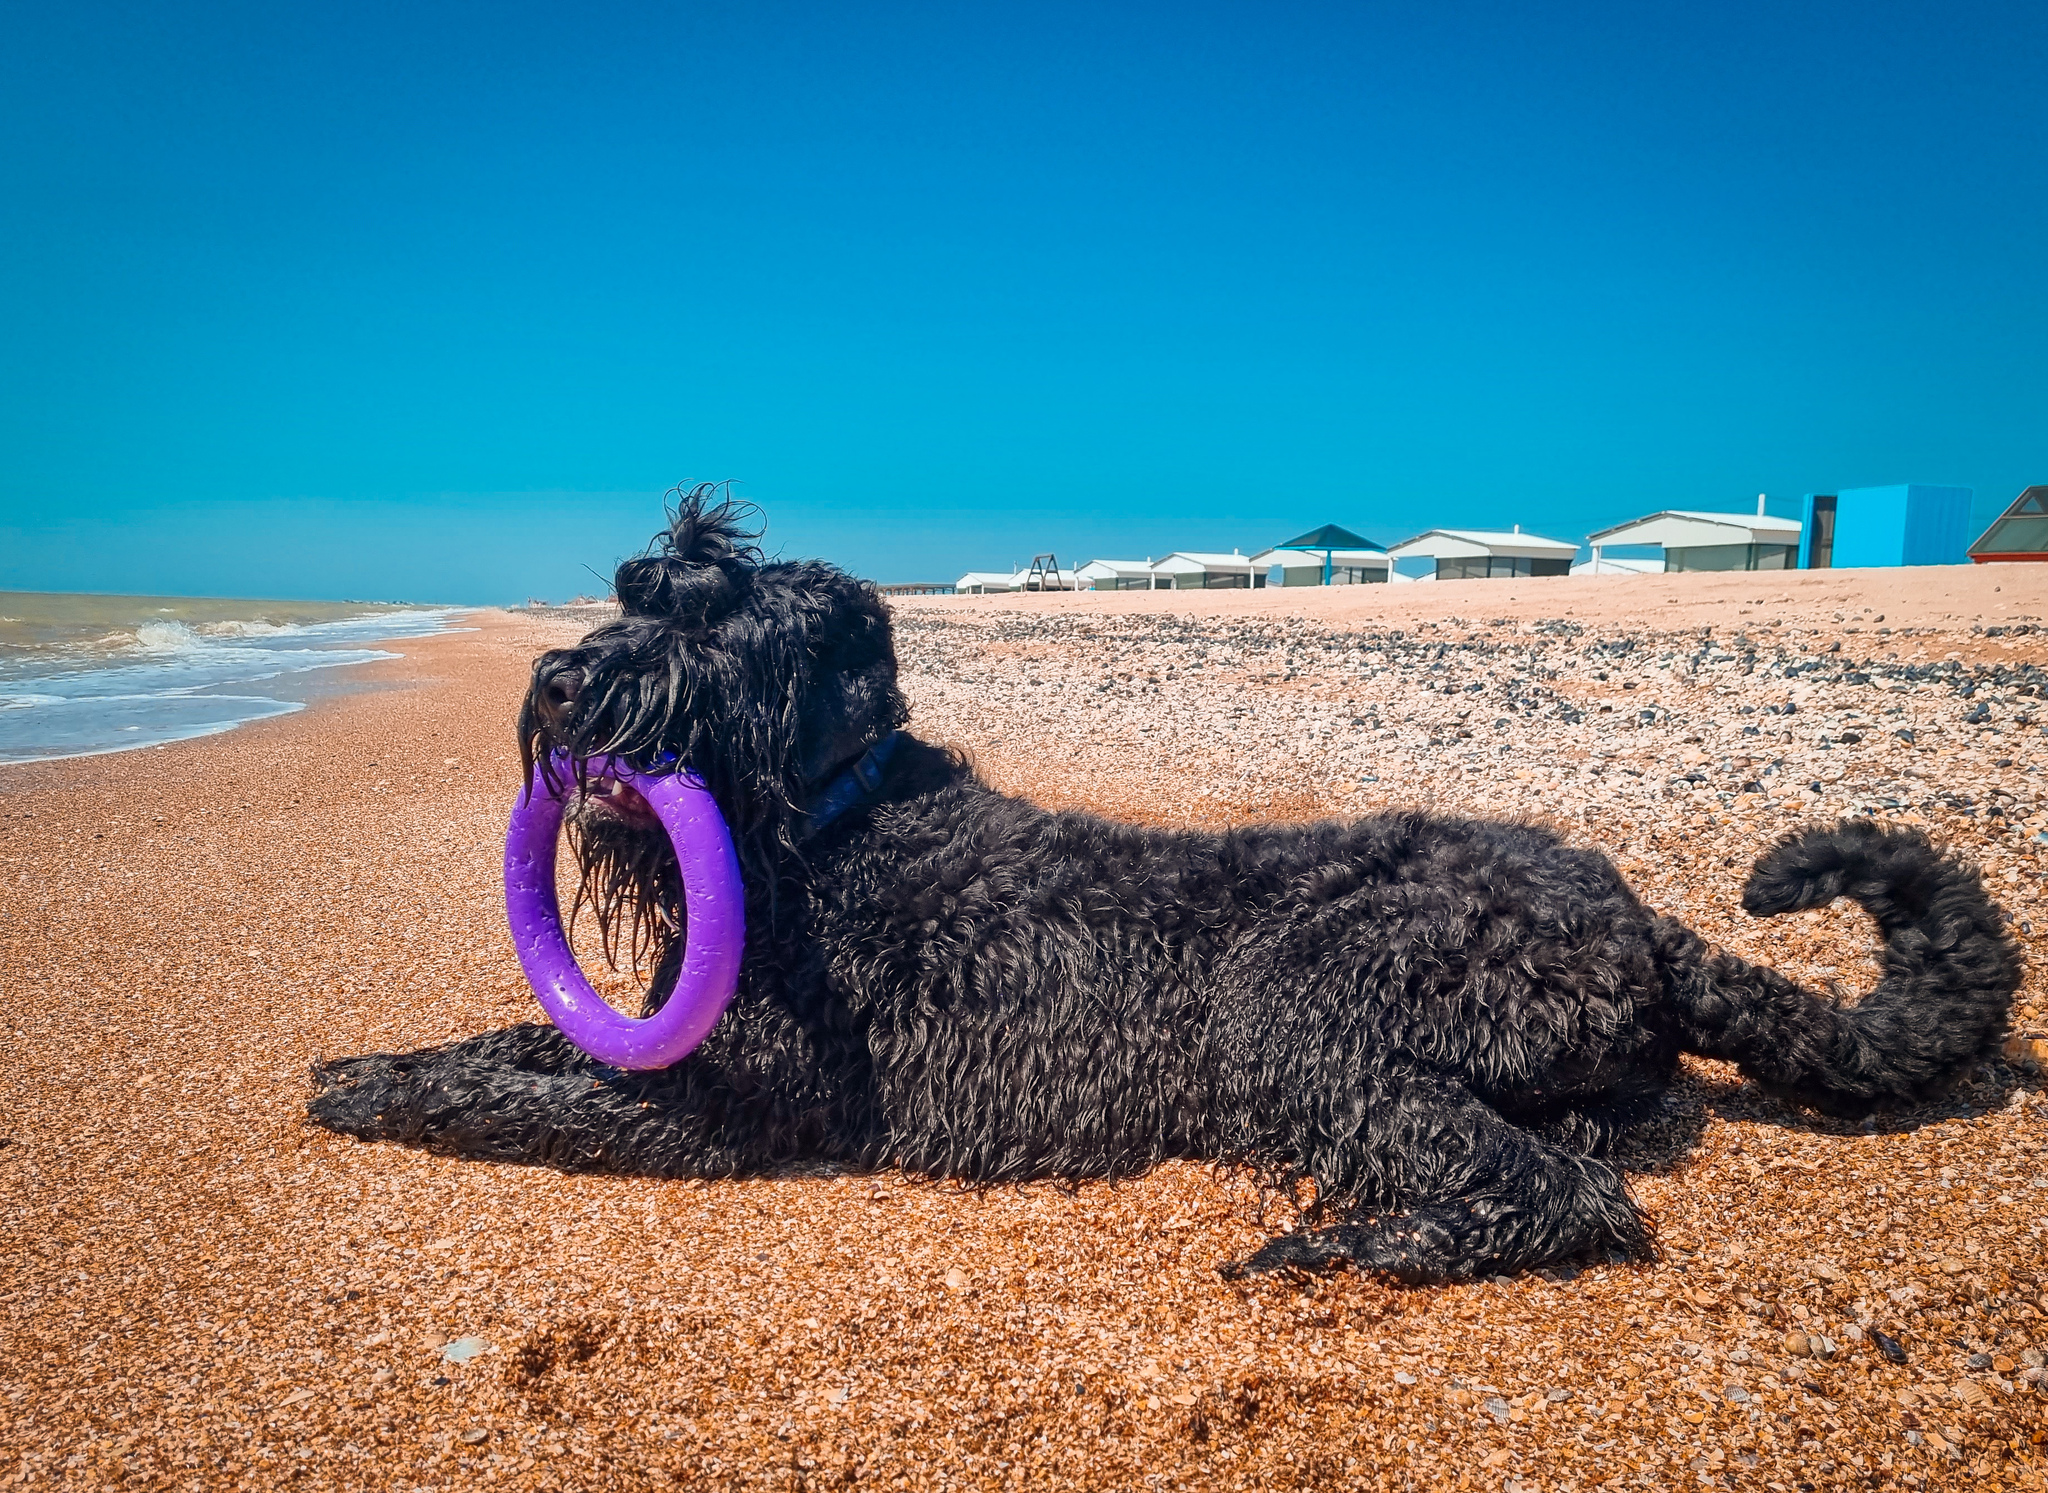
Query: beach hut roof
[[1471, 544], [1329, 537], [1188, 561], [1675, 528], [2021, 530], [1103, 569], [1287, 554]]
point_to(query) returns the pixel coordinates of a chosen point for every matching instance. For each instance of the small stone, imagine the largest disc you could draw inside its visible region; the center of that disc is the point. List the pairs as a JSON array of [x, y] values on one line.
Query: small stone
[[956, 1279], [434, 1342], [2031, 1052], [1954, 1266], [463, 1349], [1401, 1376]]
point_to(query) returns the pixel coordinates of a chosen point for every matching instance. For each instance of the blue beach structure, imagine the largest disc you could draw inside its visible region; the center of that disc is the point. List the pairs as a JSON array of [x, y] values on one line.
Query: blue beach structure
[[1328, 541], [1911, 523]]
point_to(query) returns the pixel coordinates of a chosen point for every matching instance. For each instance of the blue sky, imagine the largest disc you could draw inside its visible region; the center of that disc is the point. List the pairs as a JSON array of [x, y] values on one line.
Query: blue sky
[[433, 301]]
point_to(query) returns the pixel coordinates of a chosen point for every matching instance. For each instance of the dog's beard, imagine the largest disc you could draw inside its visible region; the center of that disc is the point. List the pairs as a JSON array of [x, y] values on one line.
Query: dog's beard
[[629, 879]]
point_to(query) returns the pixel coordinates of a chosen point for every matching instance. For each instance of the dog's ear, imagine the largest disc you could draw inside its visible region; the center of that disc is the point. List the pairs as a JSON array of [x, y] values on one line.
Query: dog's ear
[[695, 572]]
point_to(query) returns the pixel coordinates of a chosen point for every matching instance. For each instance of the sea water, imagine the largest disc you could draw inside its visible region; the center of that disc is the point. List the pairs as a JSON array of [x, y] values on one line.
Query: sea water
[[81, 675]]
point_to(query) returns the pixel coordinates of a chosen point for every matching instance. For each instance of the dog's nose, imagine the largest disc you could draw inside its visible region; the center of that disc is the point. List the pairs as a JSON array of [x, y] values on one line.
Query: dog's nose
[[557, 695]]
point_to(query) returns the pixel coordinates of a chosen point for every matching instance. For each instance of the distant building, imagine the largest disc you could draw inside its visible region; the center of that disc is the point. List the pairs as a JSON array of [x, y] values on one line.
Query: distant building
[[1195, 570], [987, 582], [1482, 554], [1614, 565], [1116, 575], [2019, 533], [1708, 541], [1044, 579], [1908, 524], [1284, 565], [1329, 556]]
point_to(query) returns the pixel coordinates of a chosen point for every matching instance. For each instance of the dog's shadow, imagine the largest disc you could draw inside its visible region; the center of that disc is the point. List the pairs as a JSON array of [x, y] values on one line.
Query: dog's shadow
[[1671, 1144]]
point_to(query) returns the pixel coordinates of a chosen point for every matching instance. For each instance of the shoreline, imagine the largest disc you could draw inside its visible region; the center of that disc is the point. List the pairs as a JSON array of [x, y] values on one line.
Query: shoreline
[[123, 675], [209, 1290]]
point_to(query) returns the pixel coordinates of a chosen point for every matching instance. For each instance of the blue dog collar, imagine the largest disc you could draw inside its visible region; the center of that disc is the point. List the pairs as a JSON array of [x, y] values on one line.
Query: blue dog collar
[[855, 786]]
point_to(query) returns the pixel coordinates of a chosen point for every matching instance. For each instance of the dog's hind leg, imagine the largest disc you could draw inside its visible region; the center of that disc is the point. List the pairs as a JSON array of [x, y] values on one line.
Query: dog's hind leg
[[1472, 1193]]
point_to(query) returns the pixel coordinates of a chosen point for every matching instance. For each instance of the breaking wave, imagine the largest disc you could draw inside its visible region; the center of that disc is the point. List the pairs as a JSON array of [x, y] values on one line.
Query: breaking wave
[[72, 686]]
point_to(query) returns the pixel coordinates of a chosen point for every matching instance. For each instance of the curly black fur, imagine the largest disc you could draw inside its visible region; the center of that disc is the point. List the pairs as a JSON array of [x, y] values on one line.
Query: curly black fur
[[1443, 1023]]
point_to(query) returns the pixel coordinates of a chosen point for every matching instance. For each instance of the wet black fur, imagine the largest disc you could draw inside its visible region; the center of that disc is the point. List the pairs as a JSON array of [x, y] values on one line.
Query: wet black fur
[[1444, 1023]]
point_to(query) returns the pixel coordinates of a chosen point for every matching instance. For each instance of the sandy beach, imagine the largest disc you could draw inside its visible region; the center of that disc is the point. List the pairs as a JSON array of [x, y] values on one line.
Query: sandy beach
[[205, 1291]]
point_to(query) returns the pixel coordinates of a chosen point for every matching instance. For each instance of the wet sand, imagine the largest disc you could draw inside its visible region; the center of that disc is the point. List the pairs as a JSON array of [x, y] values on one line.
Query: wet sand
[[205, 1291]]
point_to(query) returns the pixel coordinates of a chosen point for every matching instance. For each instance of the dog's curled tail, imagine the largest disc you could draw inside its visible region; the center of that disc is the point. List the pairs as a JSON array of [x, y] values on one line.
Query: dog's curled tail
[[1949, 974]]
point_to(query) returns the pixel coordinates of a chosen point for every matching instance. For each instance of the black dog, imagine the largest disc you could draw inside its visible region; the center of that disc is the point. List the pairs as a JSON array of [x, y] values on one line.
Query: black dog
[[1443, 1022]]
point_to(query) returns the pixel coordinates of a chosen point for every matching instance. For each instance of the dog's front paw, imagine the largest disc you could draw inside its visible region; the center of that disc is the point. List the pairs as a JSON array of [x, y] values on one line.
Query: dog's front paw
[[1412, 1250]]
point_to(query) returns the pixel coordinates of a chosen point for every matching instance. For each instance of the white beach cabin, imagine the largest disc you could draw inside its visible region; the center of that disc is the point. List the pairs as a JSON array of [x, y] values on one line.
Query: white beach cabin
[[1286, 566], [1329, 556], [1115, 575], [987, 583], [1197, 570], [1486, 554], [1706, 541]]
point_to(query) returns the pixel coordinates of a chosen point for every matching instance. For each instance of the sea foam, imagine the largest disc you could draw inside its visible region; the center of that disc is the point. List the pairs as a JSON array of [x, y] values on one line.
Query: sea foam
[[72, 685]]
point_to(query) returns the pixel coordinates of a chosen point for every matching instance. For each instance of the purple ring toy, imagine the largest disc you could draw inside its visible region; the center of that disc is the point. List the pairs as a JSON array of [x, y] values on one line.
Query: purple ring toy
[[715, 933]]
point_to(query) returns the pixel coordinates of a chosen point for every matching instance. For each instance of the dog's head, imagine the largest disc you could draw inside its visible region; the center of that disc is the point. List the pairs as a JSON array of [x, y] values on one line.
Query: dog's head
[[767, 680]]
